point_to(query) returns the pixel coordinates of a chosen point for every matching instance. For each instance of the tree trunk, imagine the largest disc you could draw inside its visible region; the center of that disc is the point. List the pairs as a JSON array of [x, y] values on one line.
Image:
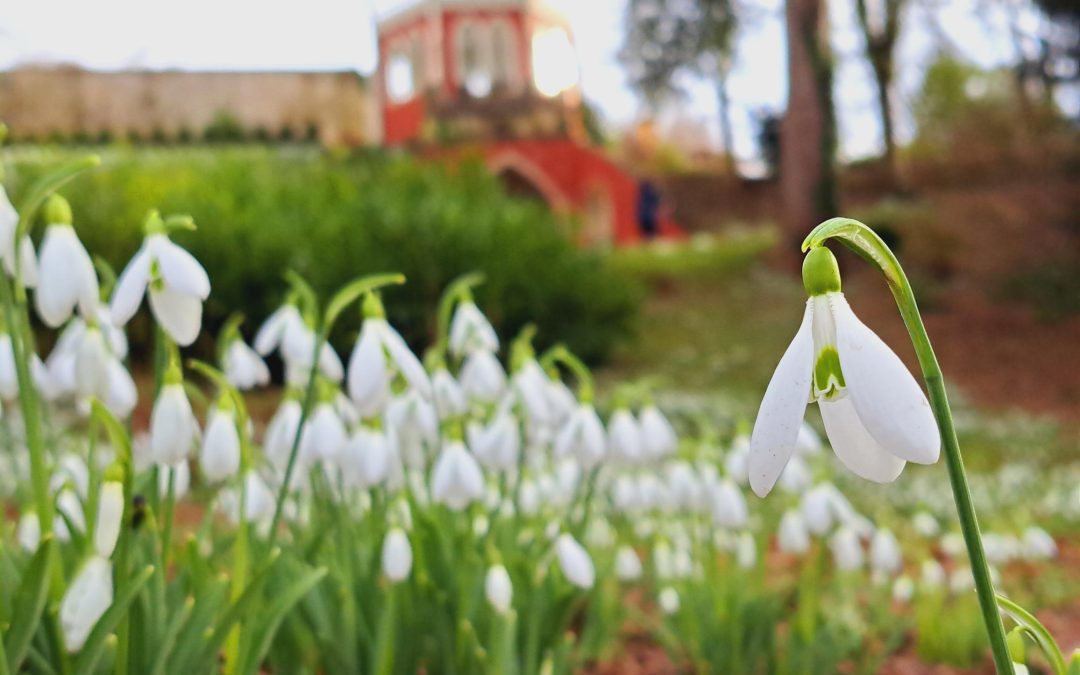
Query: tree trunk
[[727, 136], [808, 133], [881, 64]]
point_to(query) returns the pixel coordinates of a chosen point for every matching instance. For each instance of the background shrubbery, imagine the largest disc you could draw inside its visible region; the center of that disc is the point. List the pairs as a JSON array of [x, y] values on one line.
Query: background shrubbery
[[261, 211]]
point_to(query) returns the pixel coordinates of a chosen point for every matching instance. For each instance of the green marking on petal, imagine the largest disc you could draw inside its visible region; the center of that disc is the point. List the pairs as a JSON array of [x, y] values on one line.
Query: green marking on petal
[[828, 378]]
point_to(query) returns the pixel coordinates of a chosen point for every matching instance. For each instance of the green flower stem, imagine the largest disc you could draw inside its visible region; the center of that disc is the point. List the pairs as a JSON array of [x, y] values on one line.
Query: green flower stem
[[868, 245]]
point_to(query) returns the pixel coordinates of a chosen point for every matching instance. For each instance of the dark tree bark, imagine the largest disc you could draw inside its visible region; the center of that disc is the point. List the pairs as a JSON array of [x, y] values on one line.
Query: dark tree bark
[[881, 35], [727, 136], [808, 133]]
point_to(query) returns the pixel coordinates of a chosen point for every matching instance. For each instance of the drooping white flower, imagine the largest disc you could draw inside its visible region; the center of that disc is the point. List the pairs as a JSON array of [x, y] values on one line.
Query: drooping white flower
[[9, 380], [323, 437], [575, 562], [925, 524], [244, 368], [499, 589], [1038, 544], [796, 477], [624, 437], [219, 457], [92, 359], [397, 555], [658, 438], [416, 427], [932, 574], [561, 401], [876, 415], [903, 589], [29, 531], [259, 501], [173, 427], [366, 459], [482, 377], [793, 536], [86, 600], [498, 445], [9, 221], [449, 396], [885, 554], [529, 384], [456, 479], [582, 437], [122, 395], [745, 550], [179, 475], [66, 277], [669, 600], [380, 350], [627, 564], [846, 549], [471, 332], [281, 432], [729, 505], [109, 518]]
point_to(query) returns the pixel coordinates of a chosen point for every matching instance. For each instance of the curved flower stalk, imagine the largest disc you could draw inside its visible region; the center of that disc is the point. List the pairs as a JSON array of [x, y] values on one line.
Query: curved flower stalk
[[885, 419]]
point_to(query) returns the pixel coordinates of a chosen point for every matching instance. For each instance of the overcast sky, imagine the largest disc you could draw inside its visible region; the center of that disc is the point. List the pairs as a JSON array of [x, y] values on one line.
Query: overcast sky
[[320, 34]]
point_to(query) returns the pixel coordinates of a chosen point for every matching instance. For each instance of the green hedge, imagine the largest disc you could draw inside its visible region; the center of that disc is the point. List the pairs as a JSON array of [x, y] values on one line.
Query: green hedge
[[261, 211]]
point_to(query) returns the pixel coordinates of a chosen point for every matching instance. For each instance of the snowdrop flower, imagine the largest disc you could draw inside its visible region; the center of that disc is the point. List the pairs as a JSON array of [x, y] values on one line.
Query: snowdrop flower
[[109, 518], [244, 368], [499, 589], [122, 394], [179, 475], [582, 437], [846, 549], [885, 554], [793, 537], [175, 281], [627, 564], [69, 510], [173, 427], [378, 352], [736, 463], [259, 501], [561, 401], [1038, 544], [482, 377], [530, 387], [449, 396], [323, 437], [220, 455], [397, 556], [729, 505], [575, 562], [796, 476], [29, 531], [669, 600], [471, 332], [876, 415], [498, 445], [281, 432], [92, 360], [9, 221], [903, 589], [366, 458], [456, 480], [658, 438], [808, 442], [416, 427], [926, 525], [86, 600], [624, 436], [818, 509], [66, 276]]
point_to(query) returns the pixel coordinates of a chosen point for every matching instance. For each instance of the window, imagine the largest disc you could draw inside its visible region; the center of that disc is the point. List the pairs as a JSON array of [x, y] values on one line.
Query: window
[[400, 83], [505, 47], [475, 58]]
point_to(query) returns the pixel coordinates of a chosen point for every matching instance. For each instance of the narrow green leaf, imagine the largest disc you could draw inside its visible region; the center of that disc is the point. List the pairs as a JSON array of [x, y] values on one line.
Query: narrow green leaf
[[106, 625], [1036, 631], [29, 604], [275, 614], [172, 632]]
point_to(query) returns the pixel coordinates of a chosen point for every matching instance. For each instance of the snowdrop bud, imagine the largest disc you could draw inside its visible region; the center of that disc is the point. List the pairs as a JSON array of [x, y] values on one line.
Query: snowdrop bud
[[846, 549], [110, 515], [220, 455], [627, 564], [470, 331], [745, 551], [29, 532], [903, 589], [92, 364], [575, 562], [456, 480], [582, 437], [172, 426], [499, 589], [669, 600], [86, 600], [482, 377], [449, 397], [1038, 544], [397, 556], [624, 437], [885, 552], [729, 505], [66, 276], [658, 438], [281, 432], [793, 536], [244, 368], [932, 574]]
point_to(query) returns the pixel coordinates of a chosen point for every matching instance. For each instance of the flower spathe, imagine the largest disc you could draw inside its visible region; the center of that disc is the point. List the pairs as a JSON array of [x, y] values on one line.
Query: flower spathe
[[177, 285], [876, 415]]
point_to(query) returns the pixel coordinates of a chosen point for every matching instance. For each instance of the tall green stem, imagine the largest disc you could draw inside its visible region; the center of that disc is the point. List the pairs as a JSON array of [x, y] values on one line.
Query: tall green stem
[[867, 244]]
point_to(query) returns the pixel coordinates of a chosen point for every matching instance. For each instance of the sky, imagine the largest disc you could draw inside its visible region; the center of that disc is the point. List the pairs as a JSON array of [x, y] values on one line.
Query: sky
[[340, 34]]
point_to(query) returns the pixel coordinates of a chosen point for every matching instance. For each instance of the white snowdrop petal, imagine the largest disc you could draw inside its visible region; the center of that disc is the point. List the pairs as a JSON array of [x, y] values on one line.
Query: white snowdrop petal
[[367, 379], [179, 269], [411, 368], [110, 515], [397, 556], [854, 445], [28, 262], [782, 408], [130, 288], [889, 401], [179, 314], [86, 600]]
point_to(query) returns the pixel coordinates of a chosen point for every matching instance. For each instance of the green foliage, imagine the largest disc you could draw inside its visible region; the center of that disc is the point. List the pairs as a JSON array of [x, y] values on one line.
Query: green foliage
[[223, 128], [261, 212]]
